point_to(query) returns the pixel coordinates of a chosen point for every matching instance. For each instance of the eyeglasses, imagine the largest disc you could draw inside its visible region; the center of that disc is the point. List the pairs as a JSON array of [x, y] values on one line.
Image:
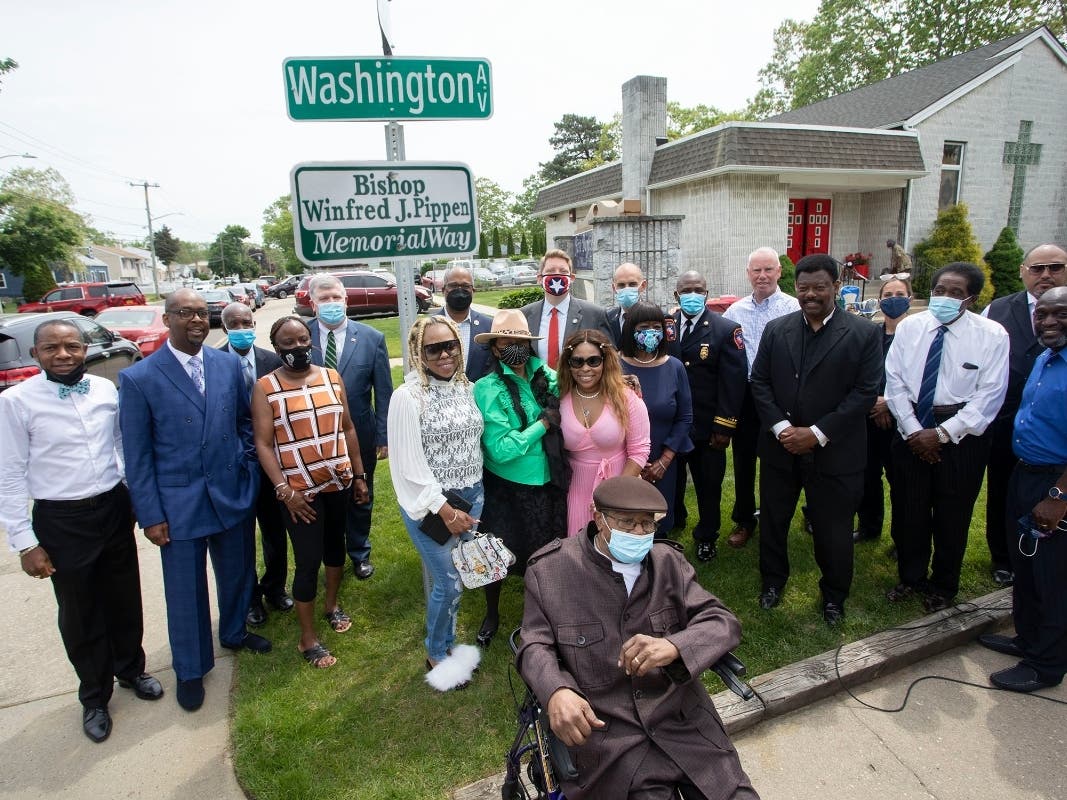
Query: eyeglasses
[[631, 524], [437, 349], [1037, 269], [189, 313], [468, 286], [574, 362]]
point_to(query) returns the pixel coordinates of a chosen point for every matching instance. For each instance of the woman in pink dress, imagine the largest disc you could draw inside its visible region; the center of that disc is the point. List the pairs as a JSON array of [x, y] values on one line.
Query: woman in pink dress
[[605, 423]]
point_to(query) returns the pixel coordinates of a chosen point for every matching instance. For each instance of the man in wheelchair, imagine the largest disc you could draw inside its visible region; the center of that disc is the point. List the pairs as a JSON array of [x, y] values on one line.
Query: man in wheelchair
[[615, 634]]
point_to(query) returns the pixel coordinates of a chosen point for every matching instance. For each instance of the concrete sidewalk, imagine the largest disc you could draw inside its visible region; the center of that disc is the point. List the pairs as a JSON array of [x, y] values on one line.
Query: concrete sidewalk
[[156, 750]]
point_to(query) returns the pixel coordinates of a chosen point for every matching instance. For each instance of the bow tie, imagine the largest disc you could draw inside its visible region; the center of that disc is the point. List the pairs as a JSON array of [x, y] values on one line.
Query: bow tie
[[81, 387]]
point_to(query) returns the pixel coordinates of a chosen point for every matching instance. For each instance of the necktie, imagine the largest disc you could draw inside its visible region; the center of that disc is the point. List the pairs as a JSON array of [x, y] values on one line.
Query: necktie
[[250, 375], [196, 372], [924, 407], [81, 387], [553, 338], [331, 351], [688, 329]]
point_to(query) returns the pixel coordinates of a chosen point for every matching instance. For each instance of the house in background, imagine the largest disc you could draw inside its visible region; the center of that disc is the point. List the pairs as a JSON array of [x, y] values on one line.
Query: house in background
[[847, 173], [125, 263]]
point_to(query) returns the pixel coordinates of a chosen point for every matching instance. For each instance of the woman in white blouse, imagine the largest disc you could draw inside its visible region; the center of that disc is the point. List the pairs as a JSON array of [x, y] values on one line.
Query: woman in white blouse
[[435, 432]]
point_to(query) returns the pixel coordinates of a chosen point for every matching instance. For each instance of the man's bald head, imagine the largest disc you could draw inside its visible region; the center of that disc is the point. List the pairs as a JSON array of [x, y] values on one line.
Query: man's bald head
[[628, 275], [179, 298]]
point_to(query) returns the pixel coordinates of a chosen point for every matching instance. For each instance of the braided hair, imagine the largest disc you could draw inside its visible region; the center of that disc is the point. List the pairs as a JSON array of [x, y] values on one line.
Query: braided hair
[[415, 339]]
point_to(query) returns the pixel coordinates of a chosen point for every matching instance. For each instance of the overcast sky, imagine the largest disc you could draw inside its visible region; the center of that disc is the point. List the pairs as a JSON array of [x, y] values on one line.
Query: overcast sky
[[190, 95]]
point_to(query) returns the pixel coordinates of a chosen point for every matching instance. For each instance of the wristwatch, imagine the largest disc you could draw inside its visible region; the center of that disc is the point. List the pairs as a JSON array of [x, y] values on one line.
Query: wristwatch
[[942, 436], [1056, 493], [25, 550]]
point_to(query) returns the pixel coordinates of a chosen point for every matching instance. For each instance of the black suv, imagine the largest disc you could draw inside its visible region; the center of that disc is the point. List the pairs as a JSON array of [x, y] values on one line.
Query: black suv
[[283, 289], [107, 355]]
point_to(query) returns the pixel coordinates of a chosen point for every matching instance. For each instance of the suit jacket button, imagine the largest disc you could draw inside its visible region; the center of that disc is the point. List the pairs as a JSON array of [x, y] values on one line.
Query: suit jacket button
[[581, 640], [637, 694], [189, 419]]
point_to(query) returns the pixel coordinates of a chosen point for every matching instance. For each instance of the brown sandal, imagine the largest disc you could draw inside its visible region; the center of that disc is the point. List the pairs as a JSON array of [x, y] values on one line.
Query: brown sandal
[[316, 654], [338, 620]]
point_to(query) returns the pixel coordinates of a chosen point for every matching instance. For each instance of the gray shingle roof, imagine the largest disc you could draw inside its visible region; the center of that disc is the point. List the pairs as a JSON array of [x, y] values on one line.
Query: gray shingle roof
[[890, 102], [602, 183], [761, 145]]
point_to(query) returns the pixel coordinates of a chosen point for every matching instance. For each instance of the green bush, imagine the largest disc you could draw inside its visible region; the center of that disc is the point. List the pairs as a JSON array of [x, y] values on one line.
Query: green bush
[[521, 297], [426, 267], [787, 283], [1004, 260], [951, 239], [36, 282], [483, 246]]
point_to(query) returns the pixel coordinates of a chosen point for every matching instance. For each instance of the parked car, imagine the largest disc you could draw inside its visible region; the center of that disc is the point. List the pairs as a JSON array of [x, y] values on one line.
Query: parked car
[[242, 294], [264, 282], [302, 306], [142, 325], [423, 296], [434, 280], [520, 275], [254, 292], [217, 299], [367, 293], [87, 299], [484, 278], [107, 354], [284, 288]]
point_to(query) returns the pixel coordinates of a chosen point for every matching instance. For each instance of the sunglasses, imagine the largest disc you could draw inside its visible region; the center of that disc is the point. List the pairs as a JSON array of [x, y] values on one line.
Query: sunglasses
[[437, 349], [574, 362], [1037, 269]]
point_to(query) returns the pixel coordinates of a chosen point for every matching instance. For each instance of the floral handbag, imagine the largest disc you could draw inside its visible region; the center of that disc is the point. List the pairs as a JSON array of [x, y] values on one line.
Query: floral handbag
[[482, 559]]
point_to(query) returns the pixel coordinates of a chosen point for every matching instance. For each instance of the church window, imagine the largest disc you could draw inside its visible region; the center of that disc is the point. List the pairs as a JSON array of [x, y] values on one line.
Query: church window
[[951, 167]]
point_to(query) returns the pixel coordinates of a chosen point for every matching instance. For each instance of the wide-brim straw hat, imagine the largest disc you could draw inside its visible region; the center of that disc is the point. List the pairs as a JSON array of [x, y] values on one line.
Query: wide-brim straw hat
[[509, 323]]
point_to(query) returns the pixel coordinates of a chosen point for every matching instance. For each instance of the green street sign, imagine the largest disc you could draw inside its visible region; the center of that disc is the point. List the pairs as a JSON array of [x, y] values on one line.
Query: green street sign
[[387, 88], [355, 211]]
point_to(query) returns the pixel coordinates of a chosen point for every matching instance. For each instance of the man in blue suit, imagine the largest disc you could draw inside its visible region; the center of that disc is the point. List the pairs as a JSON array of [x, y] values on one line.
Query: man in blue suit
[[193, 478], [459, 294], [358, 353]]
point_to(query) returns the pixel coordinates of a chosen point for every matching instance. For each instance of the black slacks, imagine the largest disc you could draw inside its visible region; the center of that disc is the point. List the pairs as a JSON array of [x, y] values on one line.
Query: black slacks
[[998, 472], [746, 437], [358, 515], [1039, 599], [708, 467], [832, 501], [871, 510], [272, 539], [933, 510], [97, 584]]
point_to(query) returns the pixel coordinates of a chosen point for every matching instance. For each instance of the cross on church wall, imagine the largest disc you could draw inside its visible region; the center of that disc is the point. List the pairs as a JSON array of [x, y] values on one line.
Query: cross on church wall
[[1020, 154]]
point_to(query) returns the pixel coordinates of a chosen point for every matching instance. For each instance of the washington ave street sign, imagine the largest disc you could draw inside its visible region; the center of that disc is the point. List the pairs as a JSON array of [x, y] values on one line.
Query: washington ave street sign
[[387, 88], [360, 210]]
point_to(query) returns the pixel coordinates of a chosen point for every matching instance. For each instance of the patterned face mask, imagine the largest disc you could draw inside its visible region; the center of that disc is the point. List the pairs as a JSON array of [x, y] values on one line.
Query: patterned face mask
[[515, 355], [648, 340]]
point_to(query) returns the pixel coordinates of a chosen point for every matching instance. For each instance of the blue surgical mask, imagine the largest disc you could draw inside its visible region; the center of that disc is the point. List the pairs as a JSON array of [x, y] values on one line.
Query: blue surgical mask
[[649, 339], [894, 307], [331, 313], [692, 303], [241, 340], [944, 309], [629, 548], [626, 297]]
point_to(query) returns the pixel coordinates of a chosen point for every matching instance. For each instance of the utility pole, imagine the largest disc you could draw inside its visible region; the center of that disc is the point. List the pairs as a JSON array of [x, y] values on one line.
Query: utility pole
[[151, 236]]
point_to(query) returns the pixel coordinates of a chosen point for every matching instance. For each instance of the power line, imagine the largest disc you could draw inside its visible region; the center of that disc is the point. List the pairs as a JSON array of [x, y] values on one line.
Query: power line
[[63, 153]]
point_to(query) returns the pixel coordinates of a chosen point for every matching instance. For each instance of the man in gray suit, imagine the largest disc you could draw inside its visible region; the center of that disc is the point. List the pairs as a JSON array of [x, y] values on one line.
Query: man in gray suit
[[559, 315], [459, 293]]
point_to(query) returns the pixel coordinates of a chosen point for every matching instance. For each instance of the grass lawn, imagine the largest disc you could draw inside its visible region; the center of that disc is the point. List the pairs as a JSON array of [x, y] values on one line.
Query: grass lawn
[[371, 728]]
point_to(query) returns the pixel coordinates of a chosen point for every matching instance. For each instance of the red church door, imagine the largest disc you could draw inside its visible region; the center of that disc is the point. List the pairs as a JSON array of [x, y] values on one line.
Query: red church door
[[809, 227]]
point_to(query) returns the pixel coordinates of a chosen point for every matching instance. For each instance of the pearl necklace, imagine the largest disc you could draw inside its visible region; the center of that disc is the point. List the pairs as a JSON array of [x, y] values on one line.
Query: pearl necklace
[[593, 396], [646, 360]]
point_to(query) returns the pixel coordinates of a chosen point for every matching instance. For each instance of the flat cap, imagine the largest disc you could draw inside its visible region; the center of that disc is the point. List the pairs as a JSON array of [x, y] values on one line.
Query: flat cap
[[627, 493]]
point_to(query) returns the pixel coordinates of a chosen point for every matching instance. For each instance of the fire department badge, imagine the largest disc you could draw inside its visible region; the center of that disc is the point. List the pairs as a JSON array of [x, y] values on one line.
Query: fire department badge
[[705, 351], [739, 339]]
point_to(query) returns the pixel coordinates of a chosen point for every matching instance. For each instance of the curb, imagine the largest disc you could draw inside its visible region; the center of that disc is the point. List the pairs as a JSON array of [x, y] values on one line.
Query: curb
[[805, 682]]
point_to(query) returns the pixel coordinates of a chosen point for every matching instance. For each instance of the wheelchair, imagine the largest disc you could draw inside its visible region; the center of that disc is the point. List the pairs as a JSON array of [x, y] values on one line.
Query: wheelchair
[[537, 760]]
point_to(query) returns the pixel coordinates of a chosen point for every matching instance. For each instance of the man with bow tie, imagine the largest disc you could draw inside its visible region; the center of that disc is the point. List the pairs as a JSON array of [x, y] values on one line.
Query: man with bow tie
[[59, 434]]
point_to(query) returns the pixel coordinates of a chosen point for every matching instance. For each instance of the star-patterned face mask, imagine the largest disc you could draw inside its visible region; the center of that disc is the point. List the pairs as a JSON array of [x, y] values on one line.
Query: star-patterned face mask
[[556, 284]]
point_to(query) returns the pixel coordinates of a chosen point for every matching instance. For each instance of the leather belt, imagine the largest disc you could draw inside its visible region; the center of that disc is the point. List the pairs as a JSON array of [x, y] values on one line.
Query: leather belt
[[76, 505]]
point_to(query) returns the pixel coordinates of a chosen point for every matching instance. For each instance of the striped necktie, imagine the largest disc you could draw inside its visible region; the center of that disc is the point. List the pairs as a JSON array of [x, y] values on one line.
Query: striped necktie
[[250, 374], [924, 407], [196, 372], [331, 351]]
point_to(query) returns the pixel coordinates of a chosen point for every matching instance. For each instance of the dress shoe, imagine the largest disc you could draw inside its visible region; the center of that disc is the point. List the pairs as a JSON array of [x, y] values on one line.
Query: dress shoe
[[96, 723], [833, 613], [364, 569], [280, 602], [935, 602], [706, 551], [257, 614], [487, 631], [144, 686], [1003, 577], [190, 694], [1000, 643], [770, 598], [900, 593], [739, 536], [1021, 678], [252, 641]]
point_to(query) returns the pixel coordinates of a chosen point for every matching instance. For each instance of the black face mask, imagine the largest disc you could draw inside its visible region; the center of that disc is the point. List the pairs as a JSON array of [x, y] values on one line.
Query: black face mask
[[459, 299], [515, 355], [70, 378], [297, 359]]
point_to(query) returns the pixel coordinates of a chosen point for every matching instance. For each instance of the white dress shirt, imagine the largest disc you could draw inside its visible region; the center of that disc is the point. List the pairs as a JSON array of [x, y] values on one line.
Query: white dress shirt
[[1031, 304], [564, 308], [973, 370], [753, 317], [338, 338], [52, 449], [183, 359]]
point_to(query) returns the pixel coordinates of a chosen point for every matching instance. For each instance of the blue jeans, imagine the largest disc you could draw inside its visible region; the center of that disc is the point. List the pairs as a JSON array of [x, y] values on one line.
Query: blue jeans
[[443, 603]]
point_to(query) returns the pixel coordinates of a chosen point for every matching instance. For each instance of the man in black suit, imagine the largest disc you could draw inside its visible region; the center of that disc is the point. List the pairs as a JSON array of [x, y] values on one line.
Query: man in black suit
[[459, 294], [713, 352], [256, 362], [815, 378], [1016, 313], [630, 286], [559, 315]]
